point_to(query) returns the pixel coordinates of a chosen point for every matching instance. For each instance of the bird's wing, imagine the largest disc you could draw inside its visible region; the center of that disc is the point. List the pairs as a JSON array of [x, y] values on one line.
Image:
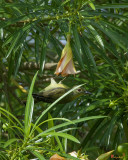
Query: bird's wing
[[54, 93], [50, 95]]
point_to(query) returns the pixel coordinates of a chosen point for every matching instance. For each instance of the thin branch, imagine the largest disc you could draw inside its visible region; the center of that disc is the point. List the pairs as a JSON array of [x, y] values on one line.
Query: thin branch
[[44, 19], [35, 66]]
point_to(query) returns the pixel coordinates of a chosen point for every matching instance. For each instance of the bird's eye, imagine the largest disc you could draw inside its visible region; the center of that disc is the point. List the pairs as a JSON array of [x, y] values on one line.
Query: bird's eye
[[79, 90]]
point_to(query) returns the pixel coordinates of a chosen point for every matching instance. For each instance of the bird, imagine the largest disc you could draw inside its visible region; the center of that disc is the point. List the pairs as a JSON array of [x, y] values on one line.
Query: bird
[[56, 90]]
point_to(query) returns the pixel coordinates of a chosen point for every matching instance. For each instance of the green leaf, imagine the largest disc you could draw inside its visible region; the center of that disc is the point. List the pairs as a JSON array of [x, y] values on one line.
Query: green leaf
[[102, 53], [37, 46], [65, 144], [13, 21], [91, 5], [3, 156], [9, 142], [59, 143], [89, 59], [116, 27], [66, 1], [77, 46], [13, 44], [116, 5], [115, 36], [8, 113], [112, 49], [29, 108], [9, 39], [96, 35], [38, 155], [73, 121], [11, 66], [53, 119], [43, 50], [64, 135], [98, 132], [58, 46], [91, 132], [108, 134], [105, 14], [38, 129], [18, 60], [50, 125]]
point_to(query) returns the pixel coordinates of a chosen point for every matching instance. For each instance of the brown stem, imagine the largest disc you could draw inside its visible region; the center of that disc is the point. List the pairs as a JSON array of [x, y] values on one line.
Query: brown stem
[[33, 65]]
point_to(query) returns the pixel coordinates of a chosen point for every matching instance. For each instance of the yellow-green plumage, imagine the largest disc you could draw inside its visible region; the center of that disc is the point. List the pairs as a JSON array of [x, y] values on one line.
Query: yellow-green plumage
[[56, 90]]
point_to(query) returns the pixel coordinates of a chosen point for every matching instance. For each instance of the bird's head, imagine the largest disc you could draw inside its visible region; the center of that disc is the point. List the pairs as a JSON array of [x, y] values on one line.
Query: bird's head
[[79, 92]]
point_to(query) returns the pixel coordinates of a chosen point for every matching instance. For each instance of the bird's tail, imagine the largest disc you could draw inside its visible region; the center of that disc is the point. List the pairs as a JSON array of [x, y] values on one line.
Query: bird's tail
[[38, 98]]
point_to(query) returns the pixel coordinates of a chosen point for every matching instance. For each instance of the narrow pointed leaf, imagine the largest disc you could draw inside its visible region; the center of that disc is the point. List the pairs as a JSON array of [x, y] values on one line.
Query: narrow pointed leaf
[[91, 5], [29, 108], [37, 46], [50, 125], [96, 35], [77, 46], [38, 155], [43, 49], [65, 135], [89, 59], [7, 112], [114, 5], [73, 121], [14, 42], [10, 141], [58, 46], [18, 61]]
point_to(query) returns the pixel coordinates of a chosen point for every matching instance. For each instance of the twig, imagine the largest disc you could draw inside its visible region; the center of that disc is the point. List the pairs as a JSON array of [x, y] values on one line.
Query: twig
[[35, 66], [44, 19]]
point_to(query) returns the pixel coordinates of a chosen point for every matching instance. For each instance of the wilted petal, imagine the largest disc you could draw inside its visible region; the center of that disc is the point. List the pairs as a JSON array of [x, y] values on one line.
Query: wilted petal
[[66, 66], [57, 157], [69, 69]]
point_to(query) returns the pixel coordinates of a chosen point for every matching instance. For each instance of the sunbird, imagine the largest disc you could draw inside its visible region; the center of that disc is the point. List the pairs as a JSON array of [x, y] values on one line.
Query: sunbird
[[56, 90]]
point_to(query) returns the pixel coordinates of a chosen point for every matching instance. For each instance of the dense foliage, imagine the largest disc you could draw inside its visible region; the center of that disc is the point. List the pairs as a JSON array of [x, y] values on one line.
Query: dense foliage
[[32, 36]]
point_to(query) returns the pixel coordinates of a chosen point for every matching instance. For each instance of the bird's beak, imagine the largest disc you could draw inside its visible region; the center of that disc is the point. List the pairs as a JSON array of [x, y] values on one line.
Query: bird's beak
[[86, 92]]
